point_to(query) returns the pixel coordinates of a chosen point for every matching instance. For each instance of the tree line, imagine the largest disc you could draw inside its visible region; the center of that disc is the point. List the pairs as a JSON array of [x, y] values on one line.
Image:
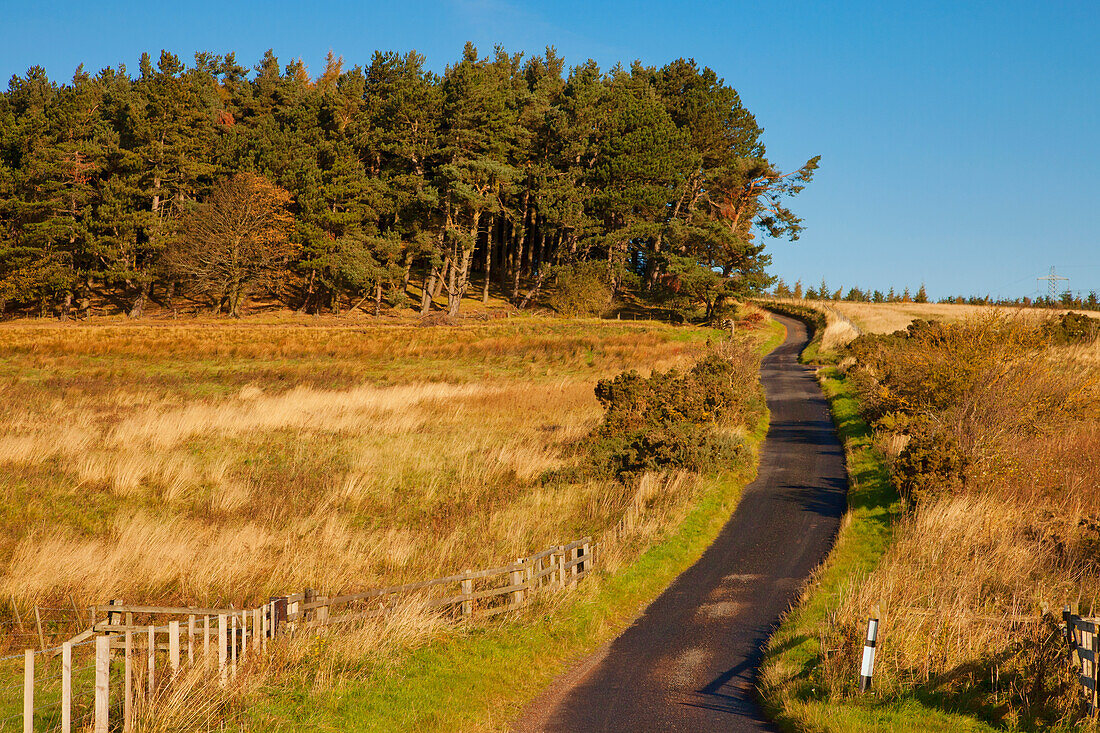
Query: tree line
[[1067, 299], [213, 182]]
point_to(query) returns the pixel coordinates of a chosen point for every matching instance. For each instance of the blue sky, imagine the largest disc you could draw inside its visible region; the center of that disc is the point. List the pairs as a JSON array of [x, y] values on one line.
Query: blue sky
[[960, 141]]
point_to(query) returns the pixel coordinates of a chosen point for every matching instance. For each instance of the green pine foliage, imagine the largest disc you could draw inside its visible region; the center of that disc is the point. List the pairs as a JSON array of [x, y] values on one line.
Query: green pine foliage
[[500, 173]]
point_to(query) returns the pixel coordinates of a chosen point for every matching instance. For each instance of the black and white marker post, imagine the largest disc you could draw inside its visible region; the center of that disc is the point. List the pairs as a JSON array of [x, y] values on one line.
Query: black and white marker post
[[868, 667]]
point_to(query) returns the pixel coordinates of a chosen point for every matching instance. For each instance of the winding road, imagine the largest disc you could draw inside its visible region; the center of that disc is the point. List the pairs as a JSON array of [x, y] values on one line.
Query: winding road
[[688, 662]]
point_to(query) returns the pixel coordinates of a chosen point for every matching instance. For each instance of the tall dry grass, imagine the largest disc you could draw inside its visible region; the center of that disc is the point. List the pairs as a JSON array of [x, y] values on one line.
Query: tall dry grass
[[218, 464], [979, 557], [890, 317]]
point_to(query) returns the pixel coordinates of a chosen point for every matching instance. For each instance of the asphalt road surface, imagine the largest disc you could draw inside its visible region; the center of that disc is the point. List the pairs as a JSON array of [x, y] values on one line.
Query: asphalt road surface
[[688, 662]]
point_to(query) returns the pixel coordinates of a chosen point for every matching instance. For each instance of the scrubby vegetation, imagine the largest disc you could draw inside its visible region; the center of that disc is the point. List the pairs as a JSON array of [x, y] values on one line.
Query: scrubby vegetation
[[988, 430], [674, 420]]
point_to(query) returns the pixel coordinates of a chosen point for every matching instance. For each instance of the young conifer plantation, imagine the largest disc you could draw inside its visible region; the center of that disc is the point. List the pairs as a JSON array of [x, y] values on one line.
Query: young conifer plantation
[[380, 183]]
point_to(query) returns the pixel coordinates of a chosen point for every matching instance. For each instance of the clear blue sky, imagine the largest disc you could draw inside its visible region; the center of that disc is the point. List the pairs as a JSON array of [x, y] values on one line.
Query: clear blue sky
[[960, 141]]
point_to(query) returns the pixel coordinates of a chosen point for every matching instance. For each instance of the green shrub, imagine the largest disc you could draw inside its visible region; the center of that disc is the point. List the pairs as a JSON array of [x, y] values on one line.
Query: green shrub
[[1072, 328], [673, 419], [580, 289], [931, 463]]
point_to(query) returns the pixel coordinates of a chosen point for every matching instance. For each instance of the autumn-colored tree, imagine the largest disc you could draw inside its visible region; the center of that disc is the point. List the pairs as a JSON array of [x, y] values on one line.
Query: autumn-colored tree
[[236, 240]]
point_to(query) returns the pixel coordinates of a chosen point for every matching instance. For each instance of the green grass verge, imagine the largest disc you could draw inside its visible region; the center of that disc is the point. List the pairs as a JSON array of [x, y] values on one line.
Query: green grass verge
[[484, 677], [788, 687]]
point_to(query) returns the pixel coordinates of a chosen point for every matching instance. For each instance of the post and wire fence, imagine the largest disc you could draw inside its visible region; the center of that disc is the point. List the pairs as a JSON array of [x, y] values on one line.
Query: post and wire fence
[[95, 680]]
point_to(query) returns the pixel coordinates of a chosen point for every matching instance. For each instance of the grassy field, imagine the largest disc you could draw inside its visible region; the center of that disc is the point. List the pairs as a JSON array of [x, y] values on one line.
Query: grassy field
[[988, 428], [223, 462], [212, 463], [890, 317]]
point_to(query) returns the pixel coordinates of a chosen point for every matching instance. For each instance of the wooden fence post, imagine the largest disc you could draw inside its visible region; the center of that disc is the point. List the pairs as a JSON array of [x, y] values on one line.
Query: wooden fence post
[[257, 629], [206, 637], [38, 623], [1096, 677], [467, 591], [306, 614], [66, 687], [174, 646], [322, 611], [233, 645], [190, 638], [586, 549], [244, 634], [102, 682], [561, 566], [28, 691], [128, 682], [114, 618], [279, 611], [516, 578], [223, 642], [152, 660]]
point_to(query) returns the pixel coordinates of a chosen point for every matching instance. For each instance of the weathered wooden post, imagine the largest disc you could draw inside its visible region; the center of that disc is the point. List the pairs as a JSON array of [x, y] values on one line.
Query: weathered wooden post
[[206, 637], [561, 566], [174, 646], [66, 687], [233, 646], [516, 578], [38, 623], [190, 638], [152, 660], [102, 682], [223, 643], [306, 613], [279, 611], [586, 550], [128, 682], [467, 591], [1093, 699], [28, 691], [257, 628], [244, 634]]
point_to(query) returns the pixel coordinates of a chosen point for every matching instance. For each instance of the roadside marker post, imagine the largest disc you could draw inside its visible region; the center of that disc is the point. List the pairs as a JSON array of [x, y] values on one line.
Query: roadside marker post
[[868, 666]]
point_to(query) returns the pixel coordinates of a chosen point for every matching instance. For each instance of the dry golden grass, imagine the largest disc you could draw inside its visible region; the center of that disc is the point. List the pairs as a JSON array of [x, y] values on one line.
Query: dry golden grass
[[219, 463], [890, 317], [974, 564]]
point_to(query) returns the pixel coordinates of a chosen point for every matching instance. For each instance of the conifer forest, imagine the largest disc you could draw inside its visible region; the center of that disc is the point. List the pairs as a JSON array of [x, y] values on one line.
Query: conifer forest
[[199, 186]]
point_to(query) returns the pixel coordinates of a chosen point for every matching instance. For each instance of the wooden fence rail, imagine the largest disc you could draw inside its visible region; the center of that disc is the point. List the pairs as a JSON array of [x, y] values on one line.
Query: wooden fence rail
[[153, 647]]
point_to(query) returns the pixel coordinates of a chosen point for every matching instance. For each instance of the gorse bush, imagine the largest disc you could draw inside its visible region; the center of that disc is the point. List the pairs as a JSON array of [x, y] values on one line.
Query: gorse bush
[[580, 289], [674, 419], [958, 393]]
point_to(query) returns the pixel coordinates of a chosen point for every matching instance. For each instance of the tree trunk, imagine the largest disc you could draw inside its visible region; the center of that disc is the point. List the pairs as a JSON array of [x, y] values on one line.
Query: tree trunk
[[459, 282], [138, 309], [444, 276], [488, 261], [85, 297], [235, 295], [534, 289], [377, 299], [429, 285], [517, 257]]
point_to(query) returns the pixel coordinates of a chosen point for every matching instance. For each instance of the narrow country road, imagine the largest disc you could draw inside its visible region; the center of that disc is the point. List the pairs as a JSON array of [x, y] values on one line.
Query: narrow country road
[[688, 662]]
